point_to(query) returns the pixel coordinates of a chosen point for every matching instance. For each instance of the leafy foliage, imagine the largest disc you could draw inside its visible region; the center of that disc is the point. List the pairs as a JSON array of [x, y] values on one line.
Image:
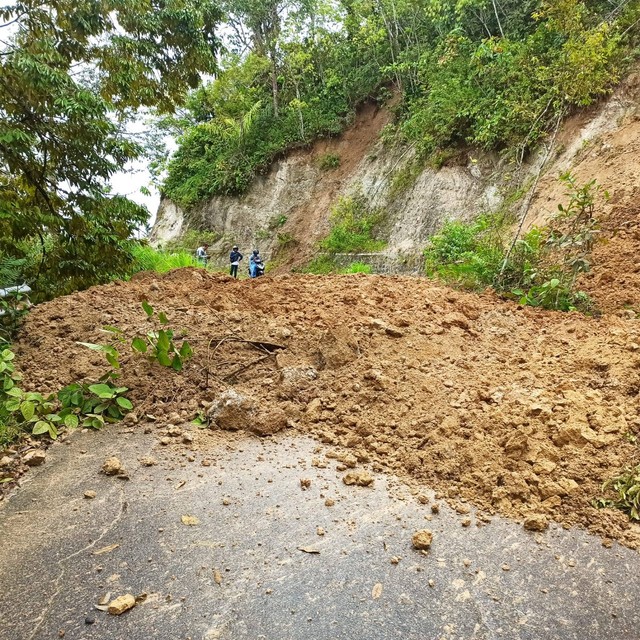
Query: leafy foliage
[[87, 405], [626, 491], [70, 76], [159, 345], [540, 269], [495, 75], [353, 224]]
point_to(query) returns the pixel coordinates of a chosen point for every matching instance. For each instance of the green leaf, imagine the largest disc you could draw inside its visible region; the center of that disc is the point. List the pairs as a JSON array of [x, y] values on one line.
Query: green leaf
[[164, 342], [148, 309], [164, 359], [139, 345], [125, 403], [8, 355], [102, 390], [176, 363], [113, 361], [71, 421], [111, 329], [53, 432], [27, 409], [162, 316], [185, 350], [40, 427], [12, 405], [94, 347], [15, 392]]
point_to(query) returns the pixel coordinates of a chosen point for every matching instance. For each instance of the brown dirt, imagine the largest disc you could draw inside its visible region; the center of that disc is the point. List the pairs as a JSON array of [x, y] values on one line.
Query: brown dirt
[[518, 411]]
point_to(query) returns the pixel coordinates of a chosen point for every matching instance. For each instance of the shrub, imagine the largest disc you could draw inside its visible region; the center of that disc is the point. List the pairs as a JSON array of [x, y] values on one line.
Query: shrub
[[329, 161]]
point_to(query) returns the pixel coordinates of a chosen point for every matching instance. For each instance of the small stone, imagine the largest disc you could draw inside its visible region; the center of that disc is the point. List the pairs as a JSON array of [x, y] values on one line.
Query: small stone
[[422, 539], [89, 620], [147, 461], [435, 508], [6, 461], [422, 499], [187, 438], [395, 560], [121, 604], [305, 483], [34, 458], [226, 502], [329, 502], [165, 441], [506, 567], [466, 562], [466, 522], [359, 478], [112, 466], [206, 463], [320, 531], [89, 495], [432, 583]]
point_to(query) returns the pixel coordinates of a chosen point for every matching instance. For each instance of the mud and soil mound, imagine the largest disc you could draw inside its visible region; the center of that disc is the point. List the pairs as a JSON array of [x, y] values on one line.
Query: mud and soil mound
[[518, 411]]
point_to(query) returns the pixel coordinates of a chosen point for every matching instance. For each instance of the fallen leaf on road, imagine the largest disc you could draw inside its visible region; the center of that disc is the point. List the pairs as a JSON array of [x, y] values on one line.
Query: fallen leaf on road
[[308, 550], [111, 547], [190, 521], [376, 592]]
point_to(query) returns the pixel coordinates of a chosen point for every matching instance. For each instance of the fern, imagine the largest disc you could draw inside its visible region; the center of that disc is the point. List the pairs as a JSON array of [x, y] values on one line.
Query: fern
[[11, 271]]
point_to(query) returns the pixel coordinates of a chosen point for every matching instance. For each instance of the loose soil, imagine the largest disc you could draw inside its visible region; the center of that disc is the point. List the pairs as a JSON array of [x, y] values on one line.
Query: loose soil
[[517, 411]]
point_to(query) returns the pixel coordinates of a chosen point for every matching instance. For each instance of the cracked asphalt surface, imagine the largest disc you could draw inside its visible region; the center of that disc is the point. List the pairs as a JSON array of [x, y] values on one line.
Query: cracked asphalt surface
[[240, 573]]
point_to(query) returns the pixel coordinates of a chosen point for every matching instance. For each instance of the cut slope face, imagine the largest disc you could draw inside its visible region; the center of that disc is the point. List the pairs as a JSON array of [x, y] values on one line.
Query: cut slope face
[[520, 412]]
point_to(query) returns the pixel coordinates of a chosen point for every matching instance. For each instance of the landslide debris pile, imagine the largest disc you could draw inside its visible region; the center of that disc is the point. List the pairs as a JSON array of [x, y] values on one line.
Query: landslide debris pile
[[518, 411]]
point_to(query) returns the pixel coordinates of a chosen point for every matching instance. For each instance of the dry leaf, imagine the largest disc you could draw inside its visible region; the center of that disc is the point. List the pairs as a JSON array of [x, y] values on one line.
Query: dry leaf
[[376, 592], [308, 550], [105, 599], [111, 547], [217, 576], [101, 607], [190, 521]]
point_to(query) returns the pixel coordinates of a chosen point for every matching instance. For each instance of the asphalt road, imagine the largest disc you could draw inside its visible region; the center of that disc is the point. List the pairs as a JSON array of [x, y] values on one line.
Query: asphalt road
[[239, 572]]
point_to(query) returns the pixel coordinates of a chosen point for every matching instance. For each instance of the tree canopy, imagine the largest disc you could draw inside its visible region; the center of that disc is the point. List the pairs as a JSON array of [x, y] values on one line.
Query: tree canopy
[[71, 73]]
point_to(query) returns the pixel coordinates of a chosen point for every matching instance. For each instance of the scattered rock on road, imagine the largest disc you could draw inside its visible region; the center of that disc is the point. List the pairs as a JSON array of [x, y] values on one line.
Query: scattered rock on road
[[34, 458], [422, 540], [359, 478], [121, 604], [536, 522], [112, 467]]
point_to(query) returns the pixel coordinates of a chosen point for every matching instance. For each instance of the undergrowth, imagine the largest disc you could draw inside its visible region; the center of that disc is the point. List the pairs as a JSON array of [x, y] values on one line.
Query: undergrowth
[[539, 269]]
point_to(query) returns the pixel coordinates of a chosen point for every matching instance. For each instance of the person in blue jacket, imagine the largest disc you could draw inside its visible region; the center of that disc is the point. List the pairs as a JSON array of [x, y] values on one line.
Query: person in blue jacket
[[256, 266], [234, 258]]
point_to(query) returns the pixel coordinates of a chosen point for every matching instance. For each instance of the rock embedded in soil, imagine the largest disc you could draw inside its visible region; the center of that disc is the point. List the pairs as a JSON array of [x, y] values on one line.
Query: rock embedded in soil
[[121, 604], [234, 411], [422, 539], [34, 458], [358, 478], [536, 522]]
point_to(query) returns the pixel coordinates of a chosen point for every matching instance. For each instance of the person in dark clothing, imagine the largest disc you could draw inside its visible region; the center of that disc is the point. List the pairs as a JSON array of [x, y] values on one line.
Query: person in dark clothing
[[234, 257]]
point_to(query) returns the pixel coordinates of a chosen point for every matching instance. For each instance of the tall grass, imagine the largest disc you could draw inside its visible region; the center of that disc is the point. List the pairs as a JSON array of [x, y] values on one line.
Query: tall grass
[[149, 259]]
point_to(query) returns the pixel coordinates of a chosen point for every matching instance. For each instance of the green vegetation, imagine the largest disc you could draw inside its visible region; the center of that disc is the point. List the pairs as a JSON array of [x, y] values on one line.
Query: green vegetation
[[539, 269], [353, 224], [329, 161], [495, 75], [146, 258], [86, 405], [73, 74], [357, 267], [626, 489]]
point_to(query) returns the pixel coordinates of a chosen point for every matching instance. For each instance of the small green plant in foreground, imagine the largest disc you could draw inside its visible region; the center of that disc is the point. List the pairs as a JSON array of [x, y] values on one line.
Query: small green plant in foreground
[[159, 345], [626, 488], [88, 405]]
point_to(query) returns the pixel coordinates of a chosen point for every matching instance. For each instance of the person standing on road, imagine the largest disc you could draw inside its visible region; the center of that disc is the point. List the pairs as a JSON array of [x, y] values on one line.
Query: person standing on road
[[234, 257], [202, 255]]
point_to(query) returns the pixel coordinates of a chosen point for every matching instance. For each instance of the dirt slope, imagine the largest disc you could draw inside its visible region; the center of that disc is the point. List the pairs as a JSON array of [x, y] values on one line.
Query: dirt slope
[[515, 410]]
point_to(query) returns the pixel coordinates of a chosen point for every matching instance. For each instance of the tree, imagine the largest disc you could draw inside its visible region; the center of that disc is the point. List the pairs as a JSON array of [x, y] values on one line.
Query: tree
[[71, 73]]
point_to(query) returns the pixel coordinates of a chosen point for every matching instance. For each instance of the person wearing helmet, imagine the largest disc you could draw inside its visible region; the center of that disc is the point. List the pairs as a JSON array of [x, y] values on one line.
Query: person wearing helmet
[[256, 266], [234, 257]]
